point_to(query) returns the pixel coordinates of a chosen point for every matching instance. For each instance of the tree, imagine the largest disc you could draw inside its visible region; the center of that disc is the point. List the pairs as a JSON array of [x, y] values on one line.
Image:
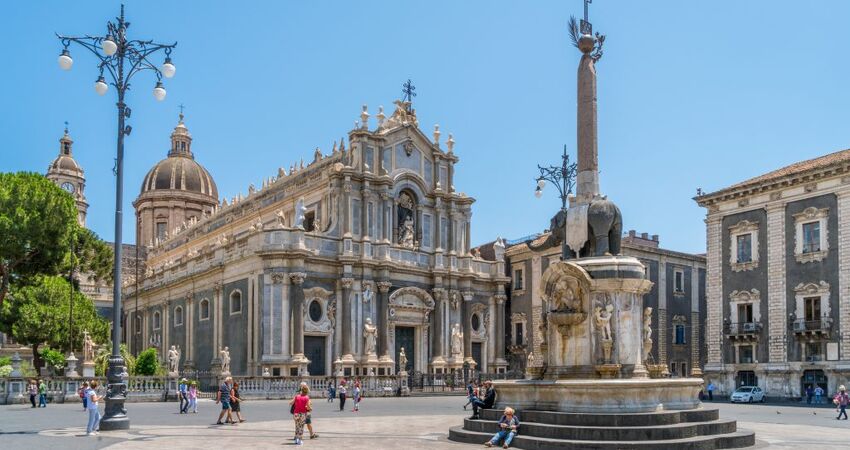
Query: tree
[[91, 257], [147, 363], [39, 315], [37, 221]]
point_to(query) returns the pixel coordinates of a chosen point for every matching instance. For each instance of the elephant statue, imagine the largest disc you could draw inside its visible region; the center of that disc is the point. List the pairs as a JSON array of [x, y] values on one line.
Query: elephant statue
[[604, 231]]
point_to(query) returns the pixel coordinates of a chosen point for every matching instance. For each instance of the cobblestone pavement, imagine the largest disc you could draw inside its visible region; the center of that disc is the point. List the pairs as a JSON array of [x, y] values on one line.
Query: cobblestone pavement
[[382, 423]]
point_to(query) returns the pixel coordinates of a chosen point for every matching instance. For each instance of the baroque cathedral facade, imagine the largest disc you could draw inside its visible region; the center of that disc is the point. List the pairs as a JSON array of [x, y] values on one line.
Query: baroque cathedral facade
[[331, 267]]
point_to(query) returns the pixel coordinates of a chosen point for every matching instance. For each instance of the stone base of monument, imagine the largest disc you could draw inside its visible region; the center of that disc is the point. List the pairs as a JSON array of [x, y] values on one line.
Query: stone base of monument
[[673, 430]]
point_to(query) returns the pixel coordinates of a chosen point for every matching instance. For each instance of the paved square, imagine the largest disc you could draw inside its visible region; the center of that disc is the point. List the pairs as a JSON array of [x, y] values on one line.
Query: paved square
[[382, 423]]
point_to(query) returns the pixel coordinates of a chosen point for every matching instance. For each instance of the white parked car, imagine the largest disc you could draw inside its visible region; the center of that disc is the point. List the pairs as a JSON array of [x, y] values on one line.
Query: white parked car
[[748, 394]]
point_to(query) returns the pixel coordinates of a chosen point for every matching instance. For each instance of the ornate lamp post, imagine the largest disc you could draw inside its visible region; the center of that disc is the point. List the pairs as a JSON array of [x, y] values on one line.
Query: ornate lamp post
[[563, 178], [120, 58]]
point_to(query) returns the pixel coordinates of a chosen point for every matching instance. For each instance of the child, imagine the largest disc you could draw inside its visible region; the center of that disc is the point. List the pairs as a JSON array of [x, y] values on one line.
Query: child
[[331, 391], [356, 395], [82, 392], [471, 393], [508, 426]]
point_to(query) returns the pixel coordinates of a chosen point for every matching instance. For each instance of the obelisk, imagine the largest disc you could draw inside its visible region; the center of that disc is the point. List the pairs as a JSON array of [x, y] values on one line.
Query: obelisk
[[587, 178]]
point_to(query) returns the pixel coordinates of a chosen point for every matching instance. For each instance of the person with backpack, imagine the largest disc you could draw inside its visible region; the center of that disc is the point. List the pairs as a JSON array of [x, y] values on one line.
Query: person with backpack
[[82, 392], [301, 406], [841, 400]]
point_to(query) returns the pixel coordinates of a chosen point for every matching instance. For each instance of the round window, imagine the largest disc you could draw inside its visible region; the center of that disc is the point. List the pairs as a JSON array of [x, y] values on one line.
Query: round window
[[476, 322], [315, 311]]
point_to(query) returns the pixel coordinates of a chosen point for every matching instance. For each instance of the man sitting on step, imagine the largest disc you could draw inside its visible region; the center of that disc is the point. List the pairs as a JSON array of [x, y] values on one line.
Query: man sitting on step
[[487, 403]]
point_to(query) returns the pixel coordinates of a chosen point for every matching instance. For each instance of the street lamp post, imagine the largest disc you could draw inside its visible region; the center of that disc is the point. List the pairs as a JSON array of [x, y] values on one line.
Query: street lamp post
[[563, 177], [121, 59]]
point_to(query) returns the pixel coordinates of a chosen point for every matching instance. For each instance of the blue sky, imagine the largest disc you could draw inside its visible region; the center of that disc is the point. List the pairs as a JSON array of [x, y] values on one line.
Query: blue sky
[[691, 94]]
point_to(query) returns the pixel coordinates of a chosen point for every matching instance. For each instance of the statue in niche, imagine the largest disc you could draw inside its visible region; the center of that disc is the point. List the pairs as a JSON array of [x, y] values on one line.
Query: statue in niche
[[402, 360], [281, 219], [603, 321], [300, 209], [457, 340], [370, 335], [224, 356], [407, 226], [647, 324], [173, 359], [406, 238]]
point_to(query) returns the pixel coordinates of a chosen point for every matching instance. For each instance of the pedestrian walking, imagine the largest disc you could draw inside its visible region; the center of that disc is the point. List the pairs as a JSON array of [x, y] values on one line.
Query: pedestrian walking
[[309, 420], [223, 397], [818, 395], [841, 400], [355, 393], [809, 393], [42, 394], [300, 406], [32, 389], [193, 396], [82, 392], [471, 393], [331, 391], [183, 393], [710, 389], [342, 391], [236, 401], [94, 413], [508, 426]]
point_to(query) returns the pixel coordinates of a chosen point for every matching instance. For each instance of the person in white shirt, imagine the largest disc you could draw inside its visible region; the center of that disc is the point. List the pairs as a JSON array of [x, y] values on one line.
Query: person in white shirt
[[94, 412]]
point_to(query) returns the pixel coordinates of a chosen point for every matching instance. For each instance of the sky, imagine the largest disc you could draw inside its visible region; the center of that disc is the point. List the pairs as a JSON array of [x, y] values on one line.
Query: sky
[[691, 94]]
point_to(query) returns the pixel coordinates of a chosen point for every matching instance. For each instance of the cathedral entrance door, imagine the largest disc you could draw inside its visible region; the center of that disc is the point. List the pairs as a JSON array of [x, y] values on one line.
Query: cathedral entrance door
[[476, 355], [404, 337], [314, 350]]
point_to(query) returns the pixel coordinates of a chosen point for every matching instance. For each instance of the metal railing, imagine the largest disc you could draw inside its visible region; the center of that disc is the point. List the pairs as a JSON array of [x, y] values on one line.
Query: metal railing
[[802, 325], [743, 328]]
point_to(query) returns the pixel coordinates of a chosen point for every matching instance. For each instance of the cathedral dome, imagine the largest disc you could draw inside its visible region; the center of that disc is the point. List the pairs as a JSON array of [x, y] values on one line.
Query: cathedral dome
[[179, 171], [65, 162]]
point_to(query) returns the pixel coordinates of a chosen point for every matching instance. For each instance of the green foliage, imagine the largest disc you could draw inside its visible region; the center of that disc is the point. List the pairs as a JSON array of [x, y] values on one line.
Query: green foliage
[[147, 363], [52, 358], [5, 361], [101, 360], [40, 315], [37, 221], [5, 370], [91, 256]]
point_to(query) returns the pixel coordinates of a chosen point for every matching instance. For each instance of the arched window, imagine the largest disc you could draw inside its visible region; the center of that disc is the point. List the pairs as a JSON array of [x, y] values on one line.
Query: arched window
[[157, 320], [235, 302], [178, 316], [138, 326], [204, 310]]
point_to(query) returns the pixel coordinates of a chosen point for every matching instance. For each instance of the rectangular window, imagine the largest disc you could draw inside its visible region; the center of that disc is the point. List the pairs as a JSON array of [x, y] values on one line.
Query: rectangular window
[[745, 312], [745, 248], [811, 237], [684, 369], [429, 173], [387, 159], [518, 333], [355, 216], [370, 220], [680, 335], [745, 354], [813, 351], [160, 230], [444, 177], [444, 233], [679, 284], [518, 280], [812, 308], [426, 230], [369, 159]]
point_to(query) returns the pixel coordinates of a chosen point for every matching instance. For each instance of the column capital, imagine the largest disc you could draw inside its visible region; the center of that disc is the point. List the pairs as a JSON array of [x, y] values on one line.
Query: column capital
[[468, 296], [278, 278], [297, 277], [500, 298], [439, 293], [346, 282], [189, 297], [384, 286], [217, 287]]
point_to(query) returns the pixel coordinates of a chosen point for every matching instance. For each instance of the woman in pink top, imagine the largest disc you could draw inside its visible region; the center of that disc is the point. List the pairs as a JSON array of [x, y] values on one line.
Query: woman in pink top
[[193, 396], [301, 405]]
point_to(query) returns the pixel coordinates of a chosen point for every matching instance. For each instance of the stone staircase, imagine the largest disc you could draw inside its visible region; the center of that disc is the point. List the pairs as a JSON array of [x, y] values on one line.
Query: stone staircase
[[674, 430]]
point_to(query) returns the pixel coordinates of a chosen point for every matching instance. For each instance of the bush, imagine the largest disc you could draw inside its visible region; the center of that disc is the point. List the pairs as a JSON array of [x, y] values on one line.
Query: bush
[[101, 361], [5, 370], [53, 358], [147, 364], [5, 361]]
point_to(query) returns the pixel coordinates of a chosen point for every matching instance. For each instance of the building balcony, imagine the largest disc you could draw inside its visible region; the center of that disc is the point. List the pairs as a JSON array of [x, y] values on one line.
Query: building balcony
[[812, 328], [743, 330]]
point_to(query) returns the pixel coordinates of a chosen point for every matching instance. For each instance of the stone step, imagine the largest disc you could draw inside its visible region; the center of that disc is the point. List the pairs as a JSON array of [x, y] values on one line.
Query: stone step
[[738, 439], [586, 433], [609, 420]]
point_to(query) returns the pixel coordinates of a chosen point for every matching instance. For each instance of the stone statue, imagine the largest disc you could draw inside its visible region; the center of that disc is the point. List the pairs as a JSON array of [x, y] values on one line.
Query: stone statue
[[603, 321], [300, 209], [251, 189], [457, 340], [647, 324], [281, 219], [406, 238], [370, 334], [173, 360], [224, 356], [155, 340], [402, 360], [88, 347]]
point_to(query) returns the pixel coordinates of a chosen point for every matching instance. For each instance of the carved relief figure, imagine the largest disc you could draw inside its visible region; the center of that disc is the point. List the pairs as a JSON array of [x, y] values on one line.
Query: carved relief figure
[[370, 335], [647, 324], [603, 321], [457, 340], [224, 356], [173, 359], [88, 347]]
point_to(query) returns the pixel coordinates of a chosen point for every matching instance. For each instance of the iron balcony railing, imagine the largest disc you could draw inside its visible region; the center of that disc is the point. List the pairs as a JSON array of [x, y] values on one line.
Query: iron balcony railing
[[742, 328], [803, 326]]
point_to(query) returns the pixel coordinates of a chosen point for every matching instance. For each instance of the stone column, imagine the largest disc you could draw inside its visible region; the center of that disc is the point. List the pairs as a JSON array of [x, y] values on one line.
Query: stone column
[[383, 320], [500, 329], [466, 325], [296, 299], [662, 312], [696, 330], [844, 273], [777, 318], [189, 324], [346, 318], [714, 291], [216, 320], [165, 326], [437, 346]]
